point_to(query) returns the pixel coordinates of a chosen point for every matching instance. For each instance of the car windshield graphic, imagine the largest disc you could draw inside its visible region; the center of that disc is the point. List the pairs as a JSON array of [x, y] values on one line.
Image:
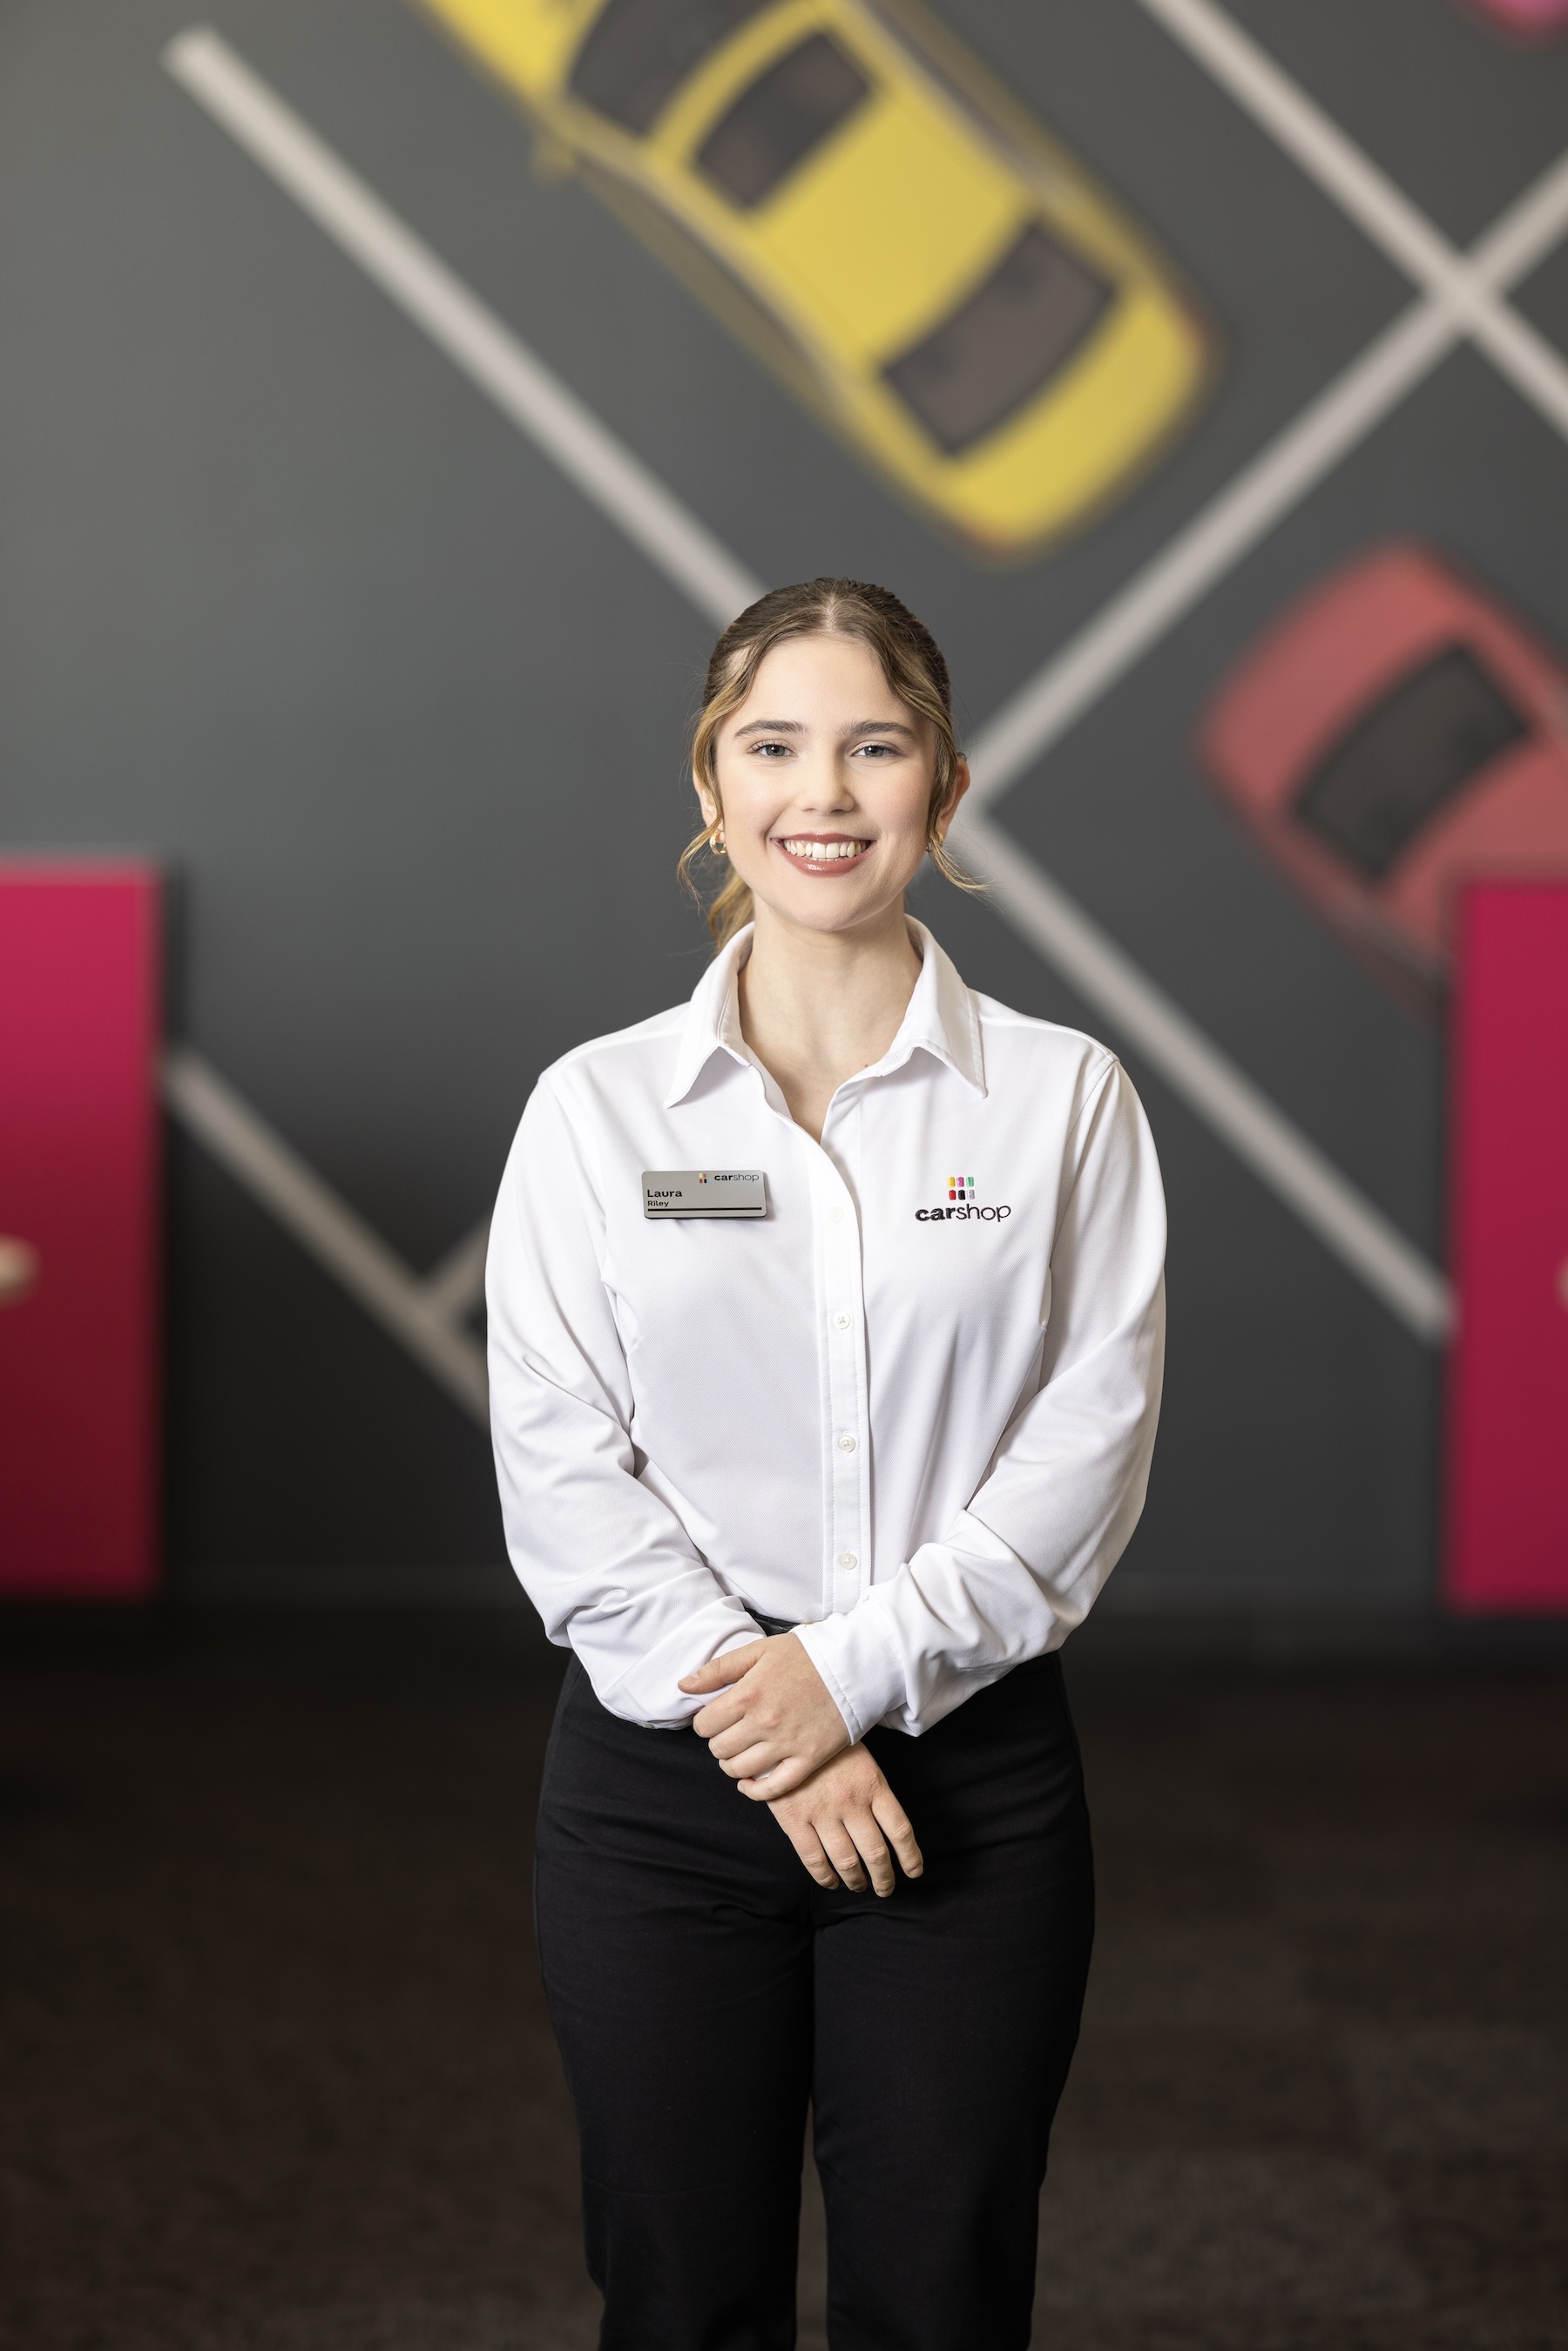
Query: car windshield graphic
[[1000, 346], [1392, 772], [640, 51], [775, 124]]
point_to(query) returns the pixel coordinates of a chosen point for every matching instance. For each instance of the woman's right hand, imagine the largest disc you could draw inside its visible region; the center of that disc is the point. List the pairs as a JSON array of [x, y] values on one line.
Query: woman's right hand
[[846, 1824]]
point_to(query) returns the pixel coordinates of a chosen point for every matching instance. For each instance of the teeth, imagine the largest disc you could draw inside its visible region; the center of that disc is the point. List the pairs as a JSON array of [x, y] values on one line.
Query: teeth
[[821, 853]]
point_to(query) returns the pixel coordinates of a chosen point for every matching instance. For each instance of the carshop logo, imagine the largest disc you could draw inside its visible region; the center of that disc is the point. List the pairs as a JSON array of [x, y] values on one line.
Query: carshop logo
[[962, 1207]]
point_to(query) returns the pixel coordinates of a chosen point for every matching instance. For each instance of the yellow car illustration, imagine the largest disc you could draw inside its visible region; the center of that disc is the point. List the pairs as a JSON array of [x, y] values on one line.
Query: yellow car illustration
[[902, 243]]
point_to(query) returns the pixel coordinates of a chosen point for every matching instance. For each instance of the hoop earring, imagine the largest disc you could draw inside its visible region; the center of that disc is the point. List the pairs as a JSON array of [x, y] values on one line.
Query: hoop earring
[[717, 842]]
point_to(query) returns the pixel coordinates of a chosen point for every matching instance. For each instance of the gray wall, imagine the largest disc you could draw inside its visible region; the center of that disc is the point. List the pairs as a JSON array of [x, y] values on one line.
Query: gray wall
[[283, 601]]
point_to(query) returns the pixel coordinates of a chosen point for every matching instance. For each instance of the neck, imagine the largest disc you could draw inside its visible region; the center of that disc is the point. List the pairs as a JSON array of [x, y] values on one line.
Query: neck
[[817, 1006]]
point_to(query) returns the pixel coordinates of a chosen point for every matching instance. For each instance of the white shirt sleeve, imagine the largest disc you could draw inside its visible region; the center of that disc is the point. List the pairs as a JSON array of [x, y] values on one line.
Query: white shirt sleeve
[[606, 1563], [1021, 1565]]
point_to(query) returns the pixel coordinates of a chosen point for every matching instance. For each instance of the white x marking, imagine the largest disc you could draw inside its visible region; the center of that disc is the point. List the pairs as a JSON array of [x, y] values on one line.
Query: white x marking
[[1346, 172]]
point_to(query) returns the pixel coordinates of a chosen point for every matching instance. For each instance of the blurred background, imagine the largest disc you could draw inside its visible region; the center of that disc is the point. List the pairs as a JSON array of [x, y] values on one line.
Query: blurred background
[[396, 400]]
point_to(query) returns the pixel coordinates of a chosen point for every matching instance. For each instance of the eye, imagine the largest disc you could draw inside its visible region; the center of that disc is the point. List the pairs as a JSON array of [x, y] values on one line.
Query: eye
[[881, 750], [766, 750]]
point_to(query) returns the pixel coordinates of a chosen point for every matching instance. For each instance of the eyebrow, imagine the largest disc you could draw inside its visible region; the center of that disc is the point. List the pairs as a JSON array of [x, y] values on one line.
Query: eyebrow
[[860, 726]]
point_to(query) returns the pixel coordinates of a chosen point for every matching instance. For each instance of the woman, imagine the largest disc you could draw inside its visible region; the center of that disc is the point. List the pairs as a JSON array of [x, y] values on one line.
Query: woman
[[814, 1450]]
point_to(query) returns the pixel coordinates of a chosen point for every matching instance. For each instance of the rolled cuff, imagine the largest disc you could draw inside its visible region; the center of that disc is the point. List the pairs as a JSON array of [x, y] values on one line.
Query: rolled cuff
[[648, 1692], [912, 1649], [859, 1658]]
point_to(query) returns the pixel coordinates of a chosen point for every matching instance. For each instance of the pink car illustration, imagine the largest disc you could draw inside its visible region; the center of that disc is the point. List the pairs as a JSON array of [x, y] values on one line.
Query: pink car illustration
[[1529, 16], [1397, 734]]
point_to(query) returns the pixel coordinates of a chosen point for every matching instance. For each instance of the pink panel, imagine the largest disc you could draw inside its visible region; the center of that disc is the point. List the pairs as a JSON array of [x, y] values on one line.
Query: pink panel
[[1508, 1485], [79, 1221]]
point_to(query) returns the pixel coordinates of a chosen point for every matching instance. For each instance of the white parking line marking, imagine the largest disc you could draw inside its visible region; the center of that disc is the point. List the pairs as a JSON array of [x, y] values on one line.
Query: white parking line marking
[[1346, 173], [1107, 978], [1287, 1161], [416, 1312], [455, 1286], [465, 329], [1271, 486]]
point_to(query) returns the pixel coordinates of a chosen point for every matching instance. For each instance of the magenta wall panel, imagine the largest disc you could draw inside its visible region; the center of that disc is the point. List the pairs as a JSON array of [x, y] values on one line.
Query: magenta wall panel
[[79, 1217], [1507, 1470]]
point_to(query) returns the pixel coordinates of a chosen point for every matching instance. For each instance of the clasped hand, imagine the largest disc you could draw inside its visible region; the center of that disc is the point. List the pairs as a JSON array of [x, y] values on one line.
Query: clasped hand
[[776, 1730], [773, 1721]]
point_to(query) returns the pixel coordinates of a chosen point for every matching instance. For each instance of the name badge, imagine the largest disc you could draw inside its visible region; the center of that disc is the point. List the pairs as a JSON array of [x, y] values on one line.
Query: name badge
[[704, 1192]]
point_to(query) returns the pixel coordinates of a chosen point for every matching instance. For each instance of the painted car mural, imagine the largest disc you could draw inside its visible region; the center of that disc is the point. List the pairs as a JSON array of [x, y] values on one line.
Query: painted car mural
[[902, 243], [1526, 16], [1396, 734]]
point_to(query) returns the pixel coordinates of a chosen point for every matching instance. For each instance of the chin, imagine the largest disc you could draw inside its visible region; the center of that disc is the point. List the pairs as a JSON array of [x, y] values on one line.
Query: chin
[[823, 909]]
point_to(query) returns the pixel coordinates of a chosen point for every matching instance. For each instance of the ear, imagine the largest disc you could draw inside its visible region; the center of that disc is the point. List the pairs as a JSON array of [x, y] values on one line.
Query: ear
[[960, 786], [706, 800]]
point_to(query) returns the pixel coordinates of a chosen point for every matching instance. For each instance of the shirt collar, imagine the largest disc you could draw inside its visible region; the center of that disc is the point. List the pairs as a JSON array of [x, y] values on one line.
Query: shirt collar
[[940, 1019]]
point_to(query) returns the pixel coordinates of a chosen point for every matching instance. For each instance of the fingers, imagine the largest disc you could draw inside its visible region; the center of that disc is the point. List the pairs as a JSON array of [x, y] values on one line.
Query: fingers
[[766, 1781], [741, 1735], [854, 1840], [839, 1848], [845, 1813], [808, 1845], [720, 1714], [720, 1672], [872, 1846], [774, 1721], [894, 1821], [746, 1753]]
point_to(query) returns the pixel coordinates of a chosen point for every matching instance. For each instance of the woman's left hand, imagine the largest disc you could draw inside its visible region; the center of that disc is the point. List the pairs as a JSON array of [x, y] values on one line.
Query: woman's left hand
[[775, 1723]]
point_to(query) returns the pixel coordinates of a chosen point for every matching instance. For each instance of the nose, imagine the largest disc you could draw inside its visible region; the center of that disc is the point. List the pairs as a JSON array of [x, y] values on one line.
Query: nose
[[824, 786]]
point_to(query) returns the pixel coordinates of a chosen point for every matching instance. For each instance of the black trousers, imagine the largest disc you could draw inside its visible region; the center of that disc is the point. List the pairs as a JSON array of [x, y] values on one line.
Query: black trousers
[[702, 1989]]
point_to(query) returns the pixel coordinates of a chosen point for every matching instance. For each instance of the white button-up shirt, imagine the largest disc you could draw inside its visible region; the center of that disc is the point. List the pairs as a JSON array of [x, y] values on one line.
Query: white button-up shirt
[[911, 1408]]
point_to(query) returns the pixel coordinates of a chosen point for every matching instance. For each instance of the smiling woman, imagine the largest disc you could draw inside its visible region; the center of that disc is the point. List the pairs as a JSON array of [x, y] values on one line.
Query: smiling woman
[[914, 674], [818, 1454]]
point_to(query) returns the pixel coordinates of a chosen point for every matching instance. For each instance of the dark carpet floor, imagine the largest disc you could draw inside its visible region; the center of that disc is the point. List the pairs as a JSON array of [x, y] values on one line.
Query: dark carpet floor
[[275, 2073]]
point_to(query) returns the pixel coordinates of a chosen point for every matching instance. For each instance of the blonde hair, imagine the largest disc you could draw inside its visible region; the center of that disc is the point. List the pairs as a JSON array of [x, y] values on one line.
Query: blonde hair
[[912, 663]]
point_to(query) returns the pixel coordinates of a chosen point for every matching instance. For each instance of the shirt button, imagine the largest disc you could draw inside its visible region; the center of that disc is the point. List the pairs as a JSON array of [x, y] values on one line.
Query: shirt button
[[835, 1216], [848, 1559], [846, 1445], [843, 1322]]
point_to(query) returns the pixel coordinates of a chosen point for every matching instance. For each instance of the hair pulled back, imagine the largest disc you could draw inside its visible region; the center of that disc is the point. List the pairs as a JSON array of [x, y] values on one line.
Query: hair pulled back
[[912, 663]]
